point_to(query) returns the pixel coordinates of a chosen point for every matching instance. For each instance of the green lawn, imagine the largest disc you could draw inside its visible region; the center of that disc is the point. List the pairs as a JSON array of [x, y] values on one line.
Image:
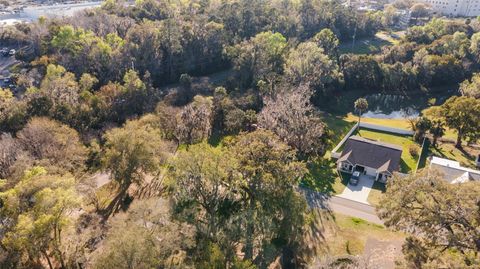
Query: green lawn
[[348, 235], [369, 45], [466, 156], [323, 177], [408, 162], [395, 123], [338, 127]]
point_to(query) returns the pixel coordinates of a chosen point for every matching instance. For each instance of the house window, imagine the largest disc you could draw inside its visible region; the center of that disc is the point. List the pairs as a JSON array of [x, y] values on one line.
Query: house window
[[347, 167]]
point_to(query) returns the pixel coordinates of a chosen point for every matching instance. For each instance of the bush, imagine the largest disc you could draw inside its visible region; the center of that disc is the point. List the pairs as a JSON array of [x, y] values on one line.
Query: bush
[[414, 150]]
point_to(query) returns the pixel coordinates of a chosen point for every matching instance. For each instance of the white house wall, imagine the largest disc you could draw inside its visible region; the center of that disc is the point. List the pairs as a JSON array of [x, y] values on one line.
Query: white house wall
[[371, 171], [463, 8]]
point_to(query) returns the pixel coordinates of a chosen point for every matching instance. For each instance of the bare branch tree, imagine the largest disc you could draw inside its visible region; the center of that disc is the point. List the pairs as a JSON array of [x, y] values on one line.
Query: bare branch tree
[[292, 117]]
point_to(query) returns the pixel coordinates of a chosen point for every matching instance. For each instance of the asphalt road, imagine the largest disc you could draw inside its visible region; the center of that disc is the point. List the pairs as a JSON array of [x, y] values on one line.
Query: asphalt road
[[342, 206]]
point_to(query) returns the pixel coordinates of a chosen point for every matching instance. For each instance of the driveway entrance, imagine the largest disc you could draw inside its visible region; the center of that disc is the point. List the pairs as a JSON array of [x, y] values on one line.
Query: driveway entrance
[[359, 193]]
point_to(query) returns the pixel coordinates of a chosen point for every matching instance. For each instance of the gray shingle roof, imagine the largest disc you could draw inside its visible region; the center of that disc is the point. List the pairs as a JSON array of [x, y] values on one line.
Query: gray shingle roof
[[374, 154]]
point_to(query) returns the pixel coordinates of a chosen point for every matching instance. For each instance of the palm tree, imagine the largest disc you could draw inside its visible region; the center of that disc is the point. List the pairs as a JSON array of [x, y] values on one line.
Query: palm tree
[[361, 105]]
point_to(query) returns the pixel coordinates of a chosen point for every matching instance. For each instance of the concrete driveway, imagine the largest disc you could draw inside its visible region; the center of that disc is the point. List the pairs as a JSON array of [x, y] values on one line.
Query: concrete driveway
[[360, 192]]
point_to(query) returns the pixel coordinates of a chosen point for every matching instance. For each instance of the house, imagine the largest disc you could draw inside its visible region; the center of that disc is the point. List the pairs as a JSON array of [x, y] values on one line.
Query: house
[[372, 158], [452, 171]]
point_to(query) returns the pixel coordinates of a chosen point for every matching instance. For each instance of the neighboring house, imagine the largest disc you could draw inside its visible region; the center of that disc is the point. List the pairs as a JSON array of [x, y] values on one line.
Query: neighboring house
[[452, 171], [370, 157]]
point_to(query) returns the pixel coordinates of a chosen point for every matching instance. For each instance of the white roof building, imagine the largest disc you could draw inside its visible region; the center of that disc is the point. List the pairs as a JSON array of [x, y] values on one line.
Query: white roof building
[[456, 8], [453, 171]]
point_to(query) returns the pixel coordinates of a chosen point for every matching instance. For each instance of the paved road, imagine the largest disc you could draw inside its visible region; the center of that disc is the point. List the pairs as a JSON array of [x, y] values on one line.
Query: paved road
[[342, 206], [354, 209]]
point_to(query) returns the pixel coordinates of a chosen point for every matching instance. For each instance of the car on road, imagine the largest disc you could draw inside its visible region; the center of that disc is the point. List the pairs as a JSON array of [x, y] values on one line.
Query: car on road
[[355, 178], [12, 52]]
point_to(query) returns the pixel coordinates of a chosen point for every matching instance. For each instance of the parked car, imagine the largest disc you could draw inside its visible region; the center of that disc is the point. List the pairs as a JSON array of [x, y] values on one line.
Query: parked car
[[12, 52], [4, 52], [355, 178]]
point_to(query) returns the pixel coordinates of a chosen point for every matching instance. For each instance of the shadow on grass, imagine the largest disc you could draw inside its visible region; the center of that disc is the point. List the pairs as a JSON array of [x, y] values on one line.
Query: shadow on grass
[[379, 186], [404, 168], [424, 155], [323, 177]]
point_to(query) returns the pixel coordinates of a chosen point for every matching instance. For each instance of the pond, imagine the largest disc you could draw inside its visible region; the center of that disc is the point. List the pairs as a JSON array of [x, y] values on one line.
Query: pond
[[394, 106]]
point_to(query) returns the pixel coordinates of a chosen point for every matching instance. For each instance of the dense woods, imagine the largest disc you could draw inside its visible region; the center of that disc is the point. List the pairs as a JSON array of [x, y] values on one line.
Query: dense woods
[[112, 156]]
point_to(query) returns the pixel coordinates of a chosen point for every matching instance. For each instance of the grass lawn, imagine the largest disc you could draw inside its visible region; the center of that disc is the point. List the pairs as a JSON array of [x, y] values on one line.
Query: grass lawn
[[408, 162], [323, 177], [369, 45], [376, 194], [338, 125], [348, 235], [395, 123], [466, 156]]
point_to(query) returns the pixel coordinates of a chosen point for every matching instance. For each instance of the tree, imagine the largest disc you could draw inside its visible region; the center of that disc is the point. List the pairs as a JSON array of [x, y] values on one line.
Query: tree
[[441, 217], [12, 112], [235, 120], [463, 115], [36, 213], [60, 86], [9, 152], [203, 195], [167, 120], [87, 82], [272, 210], [307, 64], [437, 127], [419, 10], [475, 46], [146, 236], [329, 42], [194, 121], [390, 15], [292, 117], [53, 145], [129, 154], [260, 58], [361, 72], [422, 125], [471, 88], [360, 105], [136, 96]]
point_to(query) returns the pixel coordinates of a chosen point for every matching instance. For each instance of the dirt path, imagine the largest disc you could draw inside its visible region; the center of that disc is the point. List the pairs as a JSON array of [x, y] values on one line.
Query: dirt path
[[383, 253]]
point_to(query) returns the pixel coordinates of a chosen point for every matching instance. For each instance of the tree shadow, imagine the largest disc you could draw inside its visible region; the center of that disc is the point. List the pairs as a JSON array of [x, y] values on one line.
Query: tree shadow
[[466, 154], [321, 176], [404, 168], [379, 186]]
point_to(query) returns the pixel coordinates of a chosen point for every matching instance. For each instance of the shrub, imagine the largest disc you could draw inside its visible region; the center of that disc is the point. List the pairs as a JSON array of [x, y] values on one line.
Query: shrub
[[414, 149]]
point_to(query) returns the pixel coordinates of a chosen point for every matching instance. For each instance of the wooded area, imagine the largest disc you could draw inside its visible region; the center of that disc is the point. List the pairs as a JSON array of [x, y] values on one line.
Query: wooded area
[[111, 157]]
